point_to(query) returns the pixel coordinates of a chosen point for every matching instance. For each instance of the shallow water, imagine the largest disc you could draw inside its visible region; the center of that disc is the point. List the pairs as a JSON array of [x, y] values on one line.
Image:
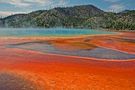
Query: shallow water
[[26, 32], [97, 52]]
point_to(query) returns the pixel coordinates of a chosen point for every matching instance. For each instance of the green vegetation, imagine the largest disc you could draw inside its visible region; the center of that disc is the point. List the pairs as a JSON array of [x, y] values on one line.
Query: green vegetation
[[85, 16]]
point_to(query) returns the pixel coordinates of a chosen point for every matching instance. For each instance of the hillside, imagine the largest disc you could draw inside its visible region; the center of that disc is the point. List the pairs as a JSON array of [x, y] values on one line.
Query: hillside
[[84, 16]]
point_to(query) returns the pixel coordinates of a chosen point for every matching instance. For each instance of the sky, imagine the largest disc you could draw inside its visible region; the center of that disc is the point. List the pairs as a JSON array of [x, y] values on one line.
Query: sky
[[9, 7]]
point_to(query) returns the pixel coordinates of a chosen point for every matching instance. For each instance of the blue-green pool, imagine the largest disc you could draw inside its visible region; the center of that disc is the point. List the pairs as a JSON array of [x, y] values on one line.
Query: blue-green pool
[[24, 32]]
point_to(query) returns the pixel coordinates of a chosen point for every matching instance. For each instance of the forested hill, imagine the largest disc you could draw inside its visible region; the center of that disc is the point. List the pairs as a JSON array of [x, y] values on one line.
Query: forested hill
[[84, 16]]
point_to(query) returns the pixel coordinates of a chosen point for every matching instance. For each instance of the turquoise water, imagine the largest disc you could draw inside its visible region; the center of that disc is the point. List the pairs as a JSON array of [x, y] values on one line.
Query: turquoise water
[[24, 32]]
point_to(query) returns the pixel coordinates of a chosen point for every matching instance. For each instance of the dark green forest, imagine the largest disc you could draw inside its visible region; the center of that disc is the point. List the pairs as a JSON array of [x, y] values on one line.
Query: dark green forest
[[84, 16]]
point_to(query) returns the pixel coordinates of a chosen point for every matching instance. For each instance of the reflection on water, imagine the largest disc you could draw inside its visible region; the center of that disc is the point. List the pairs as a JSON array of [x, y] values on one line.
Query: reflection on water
[[96, 52]]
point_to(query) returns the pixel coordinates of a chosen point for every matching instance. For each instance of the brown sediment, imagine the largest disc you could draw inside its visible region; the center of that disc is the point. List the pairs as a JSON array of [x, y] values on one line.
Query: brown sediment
[[12, 81], [58, 72]]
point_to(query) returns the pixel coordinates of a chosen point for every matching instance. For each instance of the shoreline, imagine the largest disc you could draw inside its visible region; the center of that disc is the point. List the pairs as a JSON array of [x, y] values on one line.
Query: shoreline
[[57, 37]]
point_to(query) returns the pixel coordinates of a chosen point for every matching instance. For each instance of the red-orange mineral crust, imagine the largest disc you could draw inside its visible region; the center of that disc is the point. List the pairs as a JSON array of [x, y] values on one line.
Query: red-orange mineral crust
[[58, 72]]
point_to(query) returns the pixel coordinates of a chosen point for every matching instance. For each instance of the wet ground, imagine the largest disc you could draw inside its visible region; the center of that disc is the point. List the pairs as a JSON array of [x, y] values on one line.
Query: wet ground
[[10, 81], [94, 52], [32, 64]]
